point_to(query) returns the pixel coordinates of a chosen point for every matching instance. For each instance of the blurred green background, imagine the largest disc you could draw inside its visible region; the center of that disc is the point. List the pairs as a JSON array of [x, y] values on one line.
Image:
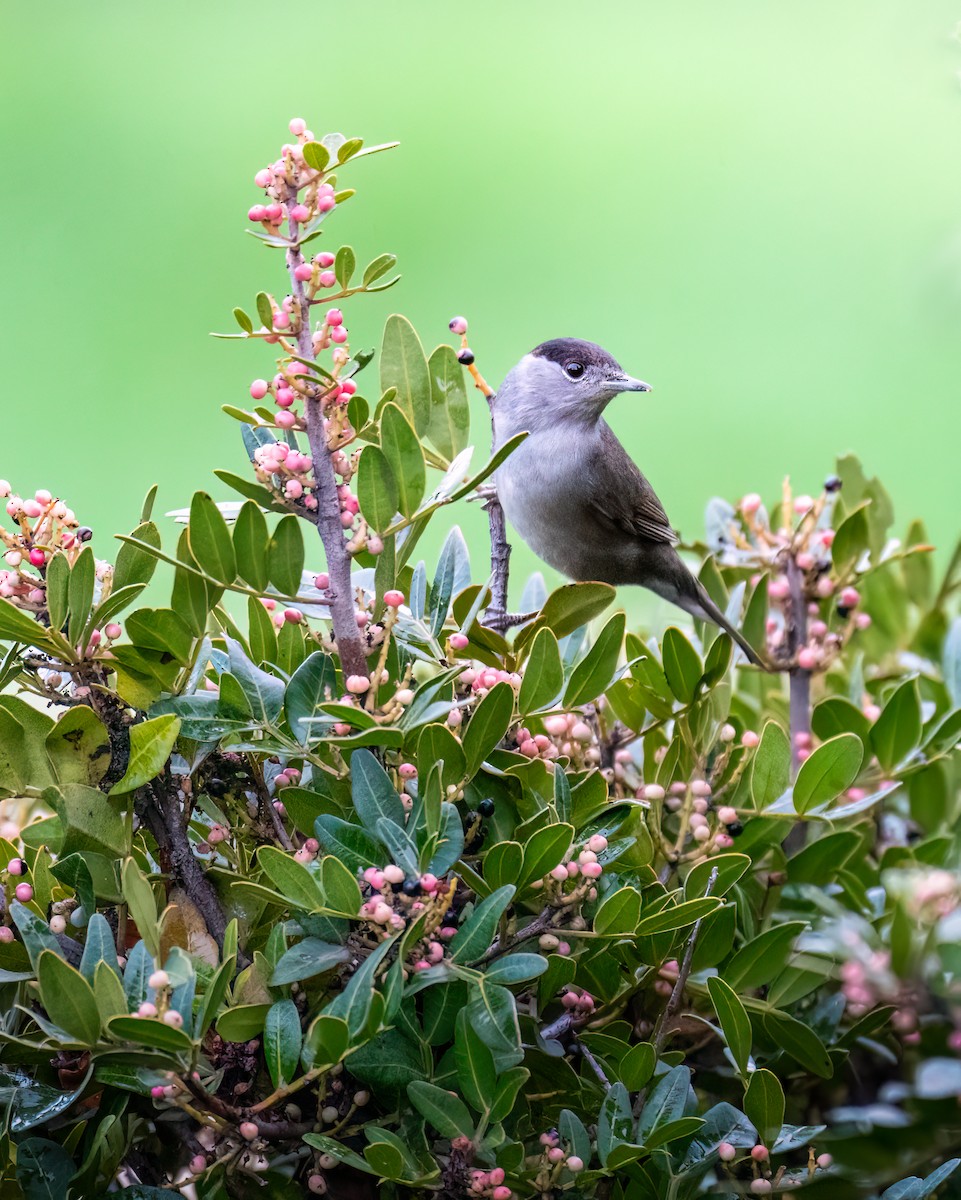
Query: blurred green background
[[756, 206]]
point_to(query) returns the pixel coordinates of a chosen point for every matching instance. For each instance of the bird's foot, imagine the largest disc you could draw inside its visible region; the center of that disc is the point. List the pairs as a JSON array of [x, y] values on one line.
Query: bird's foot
[[501, 621], [485, 492]]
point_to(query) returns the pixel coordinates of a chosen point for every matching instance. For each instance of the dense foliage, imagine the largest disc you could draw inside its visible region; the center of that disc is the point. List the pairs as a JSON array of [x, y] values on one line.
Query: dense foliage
[[559, 912]]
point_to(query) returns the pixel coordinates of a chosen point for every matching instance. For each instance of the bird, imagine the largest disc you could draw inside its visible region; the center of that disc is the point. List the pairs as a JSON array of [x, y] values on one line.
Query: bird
[[571, 490]]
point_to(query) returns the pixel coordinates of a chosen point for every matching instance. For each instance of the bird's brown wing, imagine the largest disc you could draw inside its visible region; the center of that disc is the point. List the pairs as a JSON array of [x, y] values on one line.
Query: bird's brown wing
[[632, 506]]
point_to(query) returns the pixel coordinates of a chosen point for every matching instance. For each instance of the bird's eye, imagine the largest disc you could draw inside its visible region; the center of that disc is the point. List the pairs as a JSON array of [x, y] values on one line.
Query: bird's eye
[[574, 369]]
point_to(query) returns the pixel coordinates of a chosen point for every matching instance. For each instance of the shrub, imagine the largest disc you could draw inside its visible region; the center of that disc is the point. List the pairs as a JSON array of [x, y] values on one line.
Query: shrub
[[358, 895]]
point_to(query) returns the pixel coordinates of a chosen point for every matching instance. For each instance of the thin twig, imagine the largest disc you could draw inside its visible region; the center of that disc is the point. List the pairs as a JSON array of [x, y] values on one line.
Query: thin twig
[[350, 646], [662, 1028], [594, 1064]]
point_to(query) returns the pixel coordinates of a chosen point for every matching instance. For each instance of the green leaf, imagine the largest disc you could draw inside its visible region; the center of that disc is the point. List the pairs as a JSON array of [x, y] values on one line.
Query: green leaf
[[151, 743], [243, 1022], [509, 1084], [851, 540], [78, 747], [377, 488], [156, 1034], [44, 1169], [16, 626], [161, 629], [98, 947], [682, 664], [449, 425], [373, 794], [735, 1023], [340, 887], [677, 916], [593, 674], [291, 878], [503, 863], [476, 1074], [897, 732], [729, 867], [354, 1002], [209, 539], [378, 267], [836, 715], [316, 155], [619, 913], [666, 1103], [401, 447], [250, 538], [799, 1040], [89, 822], [544, 851], [820, 861], [543, 674], [566, 609], [758, 961], [108, 992], [355, 848], [80, 589], [312, 684], [285, 556], [143, 907], [614, 1123], [326, 1041], [282, 1041], [830, 769], [771, 768], [637, 1066], [403, 366], [68, 998], [58, 581], [477, 933], [445, 1111], [764, 1105], [516, 968], [487, 727], [345, 263]]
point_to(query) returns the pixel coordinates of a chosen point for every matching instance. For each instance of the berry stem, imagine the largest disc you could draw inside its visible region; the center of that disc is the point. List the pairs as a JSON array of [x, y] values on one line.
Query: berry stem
[[350, 647]]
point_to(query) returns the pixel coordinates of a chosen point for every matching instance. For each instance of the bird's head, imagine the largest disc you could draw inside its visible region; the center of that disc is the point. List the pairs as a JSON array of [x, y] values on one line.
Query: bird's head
[[563, 379]]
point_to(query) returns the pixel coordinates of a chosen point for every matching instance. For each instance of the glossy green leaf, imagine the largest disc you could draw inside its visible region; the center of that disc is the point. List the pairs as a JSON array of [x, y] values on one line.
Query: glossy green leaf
[[615, 1123], [68, 998], [291, 878], [151, 1033], [151, 743], [594, 672], [340, 887], [89, 821], [567, 609], [800, 1041], [759, 960], [830, 769], [209, 539], [250, 538], [80, 590], [444, 1110], [619, 913], [476, 1074], [544, 851], [313, 683], [476, 934], [771, 768], [282, 1041], [543, 674], [449, 426], [488, 726], [897, 732], [352, 845], [78, 747], [403, 366], [764, 1105], [285, 556], [142, 906], [377, 488], [682, 664], [401, 447], [373, 793], [735, 1023], [677, 916]]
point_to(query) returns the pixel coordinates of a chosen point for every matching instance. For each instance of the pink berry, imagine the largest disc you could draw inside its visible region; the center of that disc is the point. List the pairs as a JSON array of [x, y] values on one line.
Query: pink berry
[[284, 397], [198, 1163], [327, 279], [147, 1009], [750, 739], [300, 212], [458, 325], [324, 259], [339, 335], [334, 317], [57, 924], [357, 684], [24, 893], [760, 1153], [761, 1187], [807, 659], [297, 126], [259, 388], [592, 870], [596, 843], [15, 866], [394, 599], [727, 815], [805, 561], [285, 420], [750, 504], [293, 616], [325, 203], [274, 212], [824, 1161], [6, 935], [248, 1130], [850, 597], [458, 641], [303, 272], [726, 1152], [407, 770], [322, 582], [574, 1164], [862, 620], [257, 212], [263, 178], [501, 1193]]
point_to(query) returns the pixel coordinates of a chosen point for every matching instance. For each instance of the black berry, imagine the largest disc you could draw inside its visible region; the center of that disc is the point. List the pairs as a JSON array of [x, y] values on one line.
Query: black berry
[[486, 807], [465, 357], [411, 887], [832, 484], [735, 829]]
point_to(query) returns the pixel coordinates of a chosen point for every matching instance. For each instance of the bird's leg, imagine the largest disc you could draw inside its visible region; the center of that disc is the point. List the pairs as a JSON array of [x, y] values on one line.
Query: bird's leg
[[496, 615]]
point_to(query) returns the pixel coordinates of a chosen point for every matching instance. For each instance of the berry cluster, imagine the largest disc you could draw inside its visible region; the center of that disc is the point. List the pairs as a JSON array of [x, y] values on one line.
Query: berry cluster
[[554, 1161], [765, 1180], [490, 1183], [44, 526]]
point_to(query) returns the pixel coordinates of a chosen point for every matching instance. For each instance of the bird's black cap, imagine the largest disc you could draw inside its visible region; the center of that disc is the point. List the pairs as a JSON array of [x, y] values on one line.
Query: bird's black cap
[[563, 350]]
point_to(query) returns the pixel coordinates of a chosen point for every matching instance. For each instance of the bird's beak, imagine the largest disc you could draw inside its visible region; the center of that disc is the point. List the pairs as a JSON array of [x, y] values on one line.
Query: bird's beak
[[626, 383]]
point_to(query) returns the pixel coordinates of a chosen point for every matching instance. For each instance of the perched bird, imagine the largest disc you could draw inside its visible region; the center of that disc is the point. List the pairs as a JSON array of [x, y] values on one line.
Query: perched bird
[[570, 489]]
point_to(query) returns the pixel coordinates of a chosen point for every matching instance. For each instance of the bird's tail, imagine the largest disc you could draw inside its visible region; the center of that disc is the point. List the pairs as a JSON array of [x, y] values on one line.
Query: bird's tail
[[703, 606]]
